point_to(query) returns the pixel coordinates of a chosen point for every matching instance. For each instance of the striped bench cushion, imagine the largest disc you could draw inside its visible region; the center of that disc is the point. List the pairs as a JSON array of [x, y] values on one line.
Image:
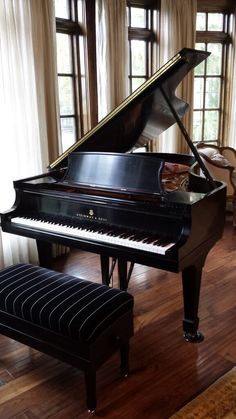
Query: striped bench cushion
[[67, 305]]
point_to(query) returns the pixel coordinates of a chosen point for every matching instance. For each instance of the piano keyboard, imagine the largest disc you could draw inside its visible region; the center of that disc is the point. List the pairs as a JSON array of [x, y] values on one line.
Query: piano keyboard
[[135, 240]]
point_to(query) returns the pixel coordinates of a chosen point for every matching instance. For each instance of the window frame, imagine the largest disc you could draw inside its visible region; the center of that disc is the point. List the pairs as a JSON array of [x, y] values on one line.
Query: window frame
[[223, 38], [141, 34], [75, 29], [150, 35]]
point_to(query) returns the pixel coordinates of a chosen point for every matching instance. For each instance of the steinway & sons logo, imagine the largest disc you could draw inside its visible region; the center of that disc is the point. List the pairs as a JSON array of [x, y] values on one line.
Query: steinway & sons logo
[[89, 214]]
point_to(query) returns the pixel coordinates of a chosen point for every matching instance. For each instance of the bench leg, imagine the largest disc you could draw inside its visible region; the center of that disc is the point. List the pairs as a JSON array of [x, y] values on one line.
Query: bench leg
[[124, 359], [90, 383]]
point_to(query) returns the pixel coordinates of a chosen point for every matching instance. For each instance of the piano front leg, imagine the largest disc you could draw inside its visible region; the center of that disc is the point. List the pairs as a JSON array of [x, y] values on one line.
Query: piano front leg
[[191, 278], [44, 253], [105, 270], [122, 274]]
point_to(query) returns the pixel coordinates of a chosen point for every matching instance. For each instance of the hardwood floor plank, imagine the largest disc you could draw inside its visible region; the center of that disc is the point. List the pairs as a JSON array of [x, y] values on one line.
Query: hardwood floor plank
[[30, 380], [166, 371]]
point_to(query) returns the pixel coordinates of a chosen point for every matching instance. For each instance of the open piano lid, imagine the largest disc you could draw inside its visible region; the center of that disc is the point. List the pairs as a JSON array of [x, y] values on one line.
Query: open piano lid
[[145, 111]]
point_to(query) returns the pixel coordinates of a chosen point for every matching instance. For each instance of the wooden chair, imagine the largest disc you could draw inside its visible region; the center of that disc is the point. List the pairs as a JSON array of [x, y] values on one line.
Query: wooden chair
[[221, 164]]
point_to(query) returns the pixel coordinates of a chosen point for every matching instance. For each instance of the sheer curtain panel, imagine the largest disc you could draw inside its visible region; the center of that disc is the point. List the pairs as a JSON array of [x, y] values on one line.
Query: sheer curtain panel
[[112, 54], [28, 106]]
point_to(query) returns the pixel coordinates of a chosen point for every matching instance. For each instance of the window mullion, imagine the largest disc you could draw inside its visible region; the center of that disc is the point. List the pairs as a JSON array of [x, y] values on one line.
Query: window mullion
[[140, 37], [204, 98], [77, 88]]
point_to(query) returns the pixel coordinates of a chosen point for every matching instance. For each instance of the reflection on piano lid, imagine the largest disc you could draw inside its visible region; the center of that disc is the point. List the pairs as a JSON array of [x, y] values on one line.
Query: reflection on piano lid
[[144, 112]]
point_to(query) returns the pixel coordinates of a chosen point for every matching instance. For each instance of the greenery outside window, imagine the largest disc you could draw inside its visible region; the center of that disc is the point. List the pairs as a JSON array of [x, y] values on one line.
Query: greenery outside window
[[141, 36], [209, 77], [73, 69]]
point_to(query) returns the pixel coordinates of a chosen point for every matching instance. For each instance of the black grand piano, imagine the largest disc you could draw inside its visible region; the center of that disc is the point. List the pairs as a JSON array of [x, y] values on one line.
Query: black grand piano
[[100, 197]]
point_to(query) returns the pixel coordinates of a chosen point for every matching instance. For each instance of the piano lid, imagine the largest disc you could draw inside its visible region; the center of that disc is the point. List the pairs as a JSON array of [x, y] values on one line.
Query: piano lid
[[145, 111]]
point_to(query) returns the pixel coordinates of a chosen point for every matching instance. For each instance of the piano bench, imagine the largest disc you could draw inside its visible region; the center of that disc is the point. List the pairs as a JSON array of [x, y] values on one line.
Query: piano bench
[[77, 321]]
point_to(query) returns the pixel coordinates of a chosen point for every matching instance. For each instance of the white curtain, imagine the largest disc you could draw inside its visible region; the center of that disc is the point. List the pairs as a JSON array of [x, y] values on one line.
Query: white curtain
[[28, 106], [112, 54], [230, 113], [177, 31]]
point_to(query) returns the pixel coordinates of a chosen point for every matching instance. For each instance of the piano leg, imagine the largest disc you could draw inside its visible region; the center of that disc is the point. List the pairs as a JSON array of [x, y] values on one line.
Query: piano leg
[[44, 253], [105, 270], [122, 274], [191, 278]]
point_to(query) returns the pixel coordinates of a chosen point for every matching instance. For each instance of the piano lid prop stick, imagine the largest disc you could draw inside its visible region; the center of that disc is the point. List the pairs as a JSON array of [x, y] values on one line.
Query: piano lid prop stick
[[189, 141]]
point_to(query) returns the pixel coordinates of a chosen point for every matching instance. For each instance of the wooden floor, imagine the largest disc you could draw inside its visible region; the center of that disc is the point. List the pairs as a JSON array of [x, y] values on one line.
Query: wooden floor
[[166, 372]]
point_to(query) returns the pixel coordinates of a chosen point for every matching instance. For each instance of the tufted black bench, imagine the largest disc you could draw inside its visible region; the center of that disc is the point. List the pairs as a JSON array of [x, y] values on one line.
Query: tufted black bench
[[77, 321]]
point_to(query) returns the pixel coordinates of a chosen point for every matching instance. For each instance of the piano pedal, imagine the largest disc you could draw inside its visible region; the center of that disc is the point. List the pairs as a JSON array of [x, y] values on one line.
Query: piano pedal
[[113, 265], [197, 338]]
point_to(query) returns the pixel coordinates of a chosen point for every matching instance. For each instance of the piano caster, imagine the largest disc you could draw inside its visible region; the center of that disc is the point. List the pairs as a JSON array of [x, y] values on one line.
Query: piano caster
[[197, 338]]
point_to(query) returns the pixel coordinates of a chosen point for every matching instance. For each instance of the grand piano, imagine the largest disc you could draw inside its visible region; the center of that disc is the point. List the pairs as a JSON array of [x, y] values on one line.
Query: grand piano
[[101, 197]]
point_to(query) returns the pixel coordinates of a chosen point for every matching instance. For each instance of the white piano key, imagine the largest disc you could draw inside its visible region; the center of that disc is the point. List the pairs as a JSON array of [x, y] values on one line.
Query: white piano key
[[82, 233]]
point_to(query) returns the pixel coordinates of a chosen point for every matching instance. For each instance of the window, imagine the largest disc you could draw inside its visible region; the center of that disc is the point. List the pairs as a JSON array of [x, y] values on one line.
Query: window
[[140, 44], [209, 77], [76, 60], [73, 69]]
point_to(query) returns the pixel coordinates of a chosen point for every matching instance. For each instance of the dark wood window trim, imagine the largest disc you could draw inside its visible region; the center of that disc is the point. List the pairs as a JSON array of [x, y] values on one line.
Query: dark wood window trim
[[92, 60], [142, 34], [212, 37], [217, 6], [151, 4], [225, 7], [75, 30]]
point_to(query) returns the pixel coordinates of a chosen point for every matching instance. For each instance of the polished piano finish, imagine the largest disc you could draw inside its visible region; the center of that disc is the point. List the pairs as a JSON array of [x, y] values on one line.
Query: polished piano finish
[[99, 199]]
